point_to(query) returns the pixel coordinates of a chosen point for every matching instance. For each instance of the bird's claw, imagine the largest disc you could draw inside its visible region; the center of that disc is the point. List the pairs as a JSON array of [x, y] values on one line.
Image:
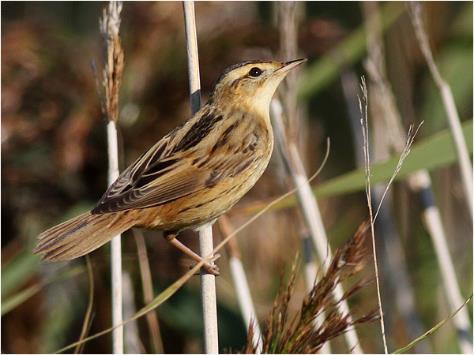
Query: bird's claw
[[210, 267]]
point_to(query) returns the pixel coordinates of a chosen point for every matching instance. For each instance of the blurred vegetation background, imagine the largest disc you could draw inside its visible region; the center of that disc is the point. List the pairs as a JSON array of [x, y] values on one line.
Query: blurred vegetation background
[[54, 160]]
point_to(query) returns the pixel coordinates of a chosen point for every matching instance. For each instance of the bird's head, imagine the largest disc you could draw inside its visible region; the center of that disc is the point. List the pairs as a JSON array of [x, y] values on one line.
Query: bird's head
[[252, 83]]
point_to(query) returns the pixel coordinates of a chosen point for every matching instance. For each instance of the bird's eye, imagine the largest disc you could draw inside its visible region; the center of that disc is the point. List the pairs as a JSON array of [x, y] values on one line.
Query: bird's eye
[[255, 72]]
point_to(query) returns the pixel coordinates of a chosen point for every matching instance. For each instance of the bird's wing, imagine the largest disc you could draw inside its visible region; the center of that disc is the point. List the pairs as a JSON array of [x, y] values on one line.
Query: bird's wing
[[151, 189], [171, 169], [158, 176]]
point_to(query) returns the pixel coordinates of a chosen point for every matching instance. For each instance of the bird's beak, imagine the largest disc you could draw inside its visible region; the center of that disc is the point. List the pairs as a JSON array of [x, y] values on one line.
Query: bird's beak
[[291, 64]]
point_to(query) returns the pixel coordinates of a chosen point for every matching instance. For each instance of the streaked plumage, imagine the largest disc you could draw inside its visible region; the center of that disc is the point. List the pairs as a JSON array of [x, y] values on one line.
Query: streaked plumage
[[193, 174]]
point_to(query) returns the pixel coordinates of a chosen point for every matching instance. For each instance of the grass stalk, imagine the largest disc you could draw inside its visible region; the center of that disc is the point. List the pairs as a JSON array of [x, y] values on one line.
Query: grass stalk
[[241, 285], [448, 103], [363, 103], [365, 135], [109, 27], [393, 255], [310, 210], [386, 119], [208, 281]]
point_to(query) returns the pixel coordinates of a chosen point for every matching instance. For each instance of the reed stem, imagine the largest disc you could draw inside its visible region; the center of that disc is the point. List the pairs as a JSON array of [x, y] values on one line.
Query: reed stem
[[449, 105], [109, 27], [241, 285], [208, 281], [115, 249]]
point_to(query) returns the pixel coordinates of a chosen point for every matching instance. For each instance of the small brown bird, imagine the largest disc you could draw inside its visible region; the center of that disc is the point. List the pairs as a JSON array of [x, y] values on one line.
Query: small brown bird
[[192, 175]]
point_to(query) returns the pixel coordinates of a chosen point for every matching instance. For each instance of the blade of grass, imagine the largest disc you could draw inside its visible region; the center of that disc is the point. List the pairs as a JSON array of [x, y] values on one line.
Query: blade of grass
[[18, 269], [433, 329], [22, 296], [430, 153], [351, 49], [19, 298]]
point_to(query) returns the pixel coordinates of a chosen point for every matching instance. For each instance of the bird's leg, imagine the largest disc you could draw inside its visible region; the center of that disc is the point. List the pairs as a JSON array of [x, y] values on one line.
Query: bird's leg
[[208, 267]]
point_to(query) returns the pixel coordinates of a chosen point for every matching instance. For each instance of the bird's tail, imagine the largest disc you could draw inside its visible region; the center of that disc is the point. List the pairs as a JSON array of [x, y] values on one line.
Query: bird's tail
[[80, 235]]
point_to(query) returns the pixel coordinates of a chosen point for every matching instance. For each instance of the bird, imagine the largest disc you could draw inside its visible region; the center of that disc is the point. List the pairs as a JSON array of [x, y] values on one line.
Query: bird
[[192, 175]]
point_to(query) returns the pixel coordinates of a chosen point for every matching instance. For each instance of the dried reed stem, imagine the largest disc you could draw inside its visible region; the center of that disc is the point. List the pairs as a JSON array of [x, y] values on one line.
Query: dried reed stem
[[109, 27], [289, 15], [132, 342], [434, 225], [147, 289], [310, 269], [241, 285], [208, 294], [448, 103], [115, 250], [86, 324], [310, 210], [208, 281]]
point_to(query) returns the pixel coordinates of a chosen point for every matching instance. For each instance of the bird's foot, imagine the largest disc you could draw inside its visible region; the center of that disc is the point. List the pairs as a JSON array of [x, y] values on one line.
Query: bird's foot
[[210, 267]]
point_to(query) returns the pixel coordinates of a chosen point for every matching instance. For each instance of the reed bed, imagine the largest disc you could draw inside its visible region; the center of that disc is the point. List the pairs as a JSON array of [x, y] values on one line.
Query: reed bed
[[55, 146]]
